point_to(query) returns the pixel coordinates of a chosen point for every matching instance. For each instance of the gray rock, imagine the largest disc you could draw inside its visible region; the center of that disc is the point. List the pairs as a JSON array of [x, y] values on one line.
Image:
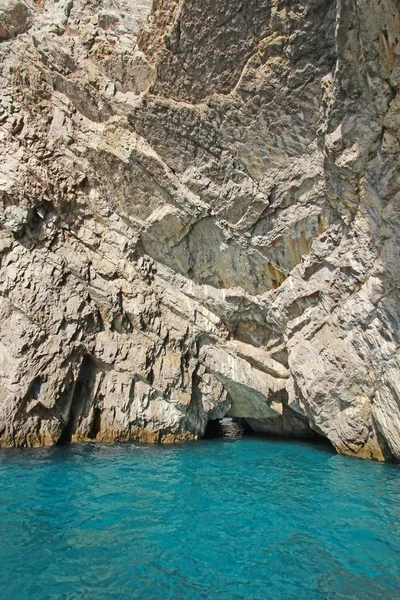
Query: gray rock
[[14, 218], [15, 18], [200, 218]]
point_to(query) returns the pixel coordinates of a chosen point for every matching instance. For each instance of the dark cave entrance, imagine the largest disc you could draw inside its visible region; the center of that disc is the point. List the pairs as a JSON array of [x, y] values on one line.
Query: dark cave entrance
[[238, 427], [228, 427], [78, 404]]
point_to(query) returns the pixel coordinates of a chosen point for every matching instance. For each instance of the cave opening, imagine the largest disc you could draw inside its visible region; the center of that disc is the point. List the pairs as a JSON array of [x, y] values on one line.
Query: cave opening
[[78, 403], [234, 428], [95, 427], [70, 426]]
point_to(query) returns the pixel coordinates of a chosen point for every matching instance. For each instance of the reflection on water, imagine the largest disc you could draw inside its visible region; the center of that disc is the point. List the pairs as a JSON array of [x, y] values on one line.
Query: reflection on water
[[231, 428]]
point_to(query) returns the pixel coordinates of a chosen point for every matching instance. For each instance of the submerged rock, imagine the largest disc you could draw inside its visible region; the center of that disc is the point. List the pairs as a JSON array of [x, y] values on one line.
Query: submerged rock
[[200, 208]]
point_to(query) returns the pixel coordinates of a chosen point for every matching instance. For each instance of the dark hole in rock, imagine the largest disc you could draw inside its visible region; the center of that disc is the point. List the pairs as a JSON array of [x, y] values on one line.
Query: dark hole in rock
[[96, 424], [69, 429], [238, 427], [35, 388], [79, 400]]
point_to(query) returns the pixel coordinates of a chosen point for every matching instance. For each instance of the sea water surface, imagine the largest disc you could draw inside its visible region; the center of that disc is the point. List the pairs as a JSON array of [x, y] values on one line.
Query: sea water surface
[[225, 519]]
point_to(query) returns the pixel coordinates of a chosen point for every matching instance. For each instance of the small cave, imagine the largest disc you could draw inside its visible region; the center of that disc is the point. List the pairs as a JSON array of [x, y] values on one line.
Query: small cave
[[294, 428], [228, 427], [95, 427], [78, 406], [35, 388]]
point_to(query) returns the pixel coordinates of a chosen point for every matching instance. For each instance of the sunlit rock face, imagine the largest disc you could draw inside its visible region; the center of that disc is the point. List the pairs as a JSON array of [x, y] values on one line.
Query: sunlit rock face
[[200, 217]]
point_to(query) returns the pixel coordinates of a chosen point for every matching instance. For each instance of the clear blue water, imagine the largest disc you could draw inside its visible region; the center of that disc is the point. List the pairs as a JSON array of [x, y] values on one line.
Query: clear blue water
[[243, 519]]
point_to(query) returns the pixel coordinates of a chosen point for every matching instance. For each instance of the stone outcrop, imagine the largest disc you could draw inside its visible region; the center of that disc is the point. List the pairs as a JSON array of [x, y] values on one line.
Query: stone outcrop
[[200, 210]]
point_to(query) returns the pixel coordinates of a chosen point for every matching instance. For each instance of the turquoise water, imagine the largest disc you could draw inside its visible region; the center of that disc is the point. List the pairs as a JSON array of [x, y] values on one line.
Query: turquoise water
[[243, 519]]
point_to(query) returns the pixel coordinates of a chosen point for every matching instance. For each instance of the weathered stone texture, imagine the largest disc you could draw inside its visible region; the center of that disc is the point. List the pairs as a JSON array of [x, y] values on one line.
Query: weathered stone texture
[[199, 217]]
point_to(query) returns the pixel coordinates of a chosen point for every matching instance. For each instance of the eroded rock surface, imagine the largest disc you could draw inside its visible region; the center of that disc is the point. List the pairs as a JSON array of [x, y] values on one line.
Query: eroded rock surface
[[200, 209]]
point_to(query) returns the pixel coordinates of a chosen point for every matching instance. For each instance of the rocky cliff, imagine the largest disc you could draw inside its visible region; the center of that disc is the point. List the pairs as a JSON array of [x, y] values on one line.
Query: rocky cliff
[[200, 207]]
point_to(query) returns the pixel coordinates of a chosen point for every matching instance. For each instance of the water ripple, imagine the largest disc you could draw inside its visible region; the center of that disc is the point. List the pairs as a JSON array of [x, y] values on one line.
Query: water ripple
[[227, 519]]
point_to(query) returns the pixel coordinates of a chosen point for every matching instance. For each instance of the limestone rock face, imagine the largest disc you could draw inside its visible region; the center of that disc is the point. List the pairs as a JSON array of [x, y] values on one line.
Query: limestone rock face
[[15, 18], [200, 207]]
